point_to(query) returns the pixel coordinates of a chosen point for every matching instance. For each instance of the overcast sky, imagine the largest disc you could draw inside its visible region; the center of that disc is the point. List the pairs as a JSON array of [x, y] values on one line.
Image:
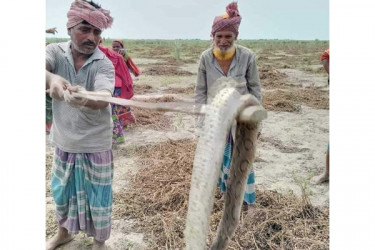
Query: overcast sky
[[171, 19]]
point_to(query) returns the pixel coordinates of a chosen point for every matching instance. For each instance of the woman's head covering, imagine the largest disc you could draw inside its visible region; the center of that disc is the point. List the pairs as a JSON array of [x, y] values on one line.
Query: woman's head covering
[[82, 10], [119, 41], [228, 21]]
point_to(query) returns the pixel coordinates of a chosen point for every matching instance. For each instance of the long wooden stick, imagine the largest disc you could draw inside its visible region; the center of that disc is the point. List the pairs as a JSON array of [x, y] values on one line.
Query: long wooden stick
[[250, 114]]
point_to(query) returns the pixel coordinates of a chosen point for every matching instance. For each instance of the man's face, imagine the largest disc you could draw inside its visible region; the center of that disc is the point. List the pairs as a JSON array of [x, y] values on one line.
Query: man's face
[[85, 38], [116, 46], [224, 40]]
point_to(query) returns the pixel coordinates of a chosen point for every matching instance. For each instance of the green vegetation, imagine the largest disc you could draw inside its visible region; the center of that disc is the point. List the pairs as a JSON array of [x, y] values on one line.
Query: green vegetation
[[177, 51], [302, 55]]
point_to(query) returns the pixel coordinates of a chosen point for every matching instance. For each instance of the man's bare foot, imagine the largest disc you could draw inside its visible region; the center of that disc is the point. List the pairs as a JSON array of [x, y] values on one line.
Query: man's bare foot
[[60, 238], [98, 245], [320, 178]]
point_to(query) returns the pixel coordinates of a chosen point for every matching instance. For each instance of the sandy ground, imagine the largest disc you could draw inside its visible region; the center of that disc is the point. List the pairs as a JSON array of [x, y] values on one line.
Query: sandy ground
[[291, 150], [299, 78]]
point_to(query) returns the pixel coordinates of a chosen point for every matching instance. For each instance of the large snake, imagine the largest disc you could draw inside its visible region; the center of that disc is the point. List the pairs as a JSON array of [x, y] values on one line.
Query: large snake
[[220, 114], [226, 107]]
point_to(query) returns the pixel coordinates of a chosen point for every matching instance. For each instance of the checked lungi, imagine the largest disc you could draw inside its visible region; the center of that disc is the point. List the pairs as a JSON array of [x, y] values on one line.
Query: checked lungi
[[249, 196], [82, 190]]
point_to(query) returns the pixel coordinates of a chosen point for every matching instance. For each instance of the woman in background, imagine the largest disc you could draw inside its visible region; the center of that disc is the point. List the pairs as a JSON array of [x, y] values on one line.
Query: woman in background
[[124, 83], [124, 114]]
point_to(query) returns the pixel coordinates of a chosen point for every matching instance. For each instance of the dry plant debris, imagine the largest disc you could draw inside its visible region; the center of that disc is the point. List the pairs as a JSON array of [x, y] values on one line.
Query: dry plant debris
[[150, 119], [155, 52], [162, 99], [289, 101], [142, 89], [271, 78], [280, 105], [158, 196], [157, 70], [187, 90]]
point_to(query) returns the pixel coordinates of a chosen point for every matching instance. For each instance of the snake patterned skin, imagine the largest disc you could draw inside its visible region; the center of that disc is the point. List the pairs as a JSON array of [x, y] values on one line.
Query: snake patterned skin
[[220, 115]]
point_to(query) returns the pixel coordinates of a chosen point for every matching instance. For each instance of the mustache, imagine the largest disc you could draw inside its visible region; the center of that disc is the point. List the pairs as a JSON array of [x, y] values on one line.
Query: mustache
[[89, 43]]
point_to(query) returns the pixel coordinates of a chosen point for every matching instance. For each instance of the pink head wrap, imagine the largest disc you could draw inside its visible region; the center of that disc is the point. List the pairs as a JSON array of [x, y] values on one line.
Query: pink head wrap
[[81, 10], [229, 21]]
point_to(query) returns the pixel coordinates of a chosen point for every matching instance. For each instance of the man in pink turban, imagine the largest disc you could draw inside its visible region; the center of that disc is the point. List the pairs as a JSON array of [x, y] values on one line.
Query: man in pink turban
[[82, 171], [227, 59], [90, 12], [231, 20]]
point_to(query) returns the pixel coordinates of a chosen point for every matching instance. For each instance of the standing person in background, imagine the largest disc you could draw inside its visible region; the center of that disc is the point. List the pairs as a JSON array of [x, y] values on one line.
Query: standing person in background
[[118, 46], [227, 59], [325, 61], [325, 175], [123, 79], [82, 171], [124, 114]]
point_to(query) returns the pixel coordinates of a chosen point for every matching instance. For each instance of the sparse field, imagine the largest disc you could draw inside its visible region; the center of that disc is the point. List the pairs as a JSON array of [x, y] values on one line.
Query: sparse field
[[153, 166]]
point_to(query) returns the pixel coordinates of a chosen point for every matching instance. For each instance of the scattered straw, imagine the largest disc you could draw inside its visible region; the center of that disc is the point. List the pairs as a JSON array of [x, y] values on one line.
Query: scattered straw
[[280, 222], [280, 105], [290, 101], [271, 78], [150, 119], [156, 52], [159, 193], [142, 89], [157, 70], [166, 98], [158, 196], [188, 90]]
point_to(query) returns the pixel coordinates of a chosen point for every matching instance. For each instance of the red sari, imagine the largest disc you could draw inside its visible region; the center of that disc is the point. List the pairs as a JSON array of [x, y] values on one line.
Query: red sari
[[123, 86]]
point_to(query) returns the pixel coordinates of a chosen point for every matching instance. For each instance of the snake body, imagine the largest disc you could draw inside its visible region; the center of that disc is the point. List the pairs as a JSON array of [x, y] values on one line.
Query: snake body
[[220, 114]]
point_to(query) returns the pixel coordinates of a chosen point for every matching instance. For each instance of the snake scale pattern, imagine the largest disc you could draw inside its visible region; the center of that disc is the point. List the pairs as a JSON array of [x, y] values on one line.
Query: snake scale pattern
[[220, 115]]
